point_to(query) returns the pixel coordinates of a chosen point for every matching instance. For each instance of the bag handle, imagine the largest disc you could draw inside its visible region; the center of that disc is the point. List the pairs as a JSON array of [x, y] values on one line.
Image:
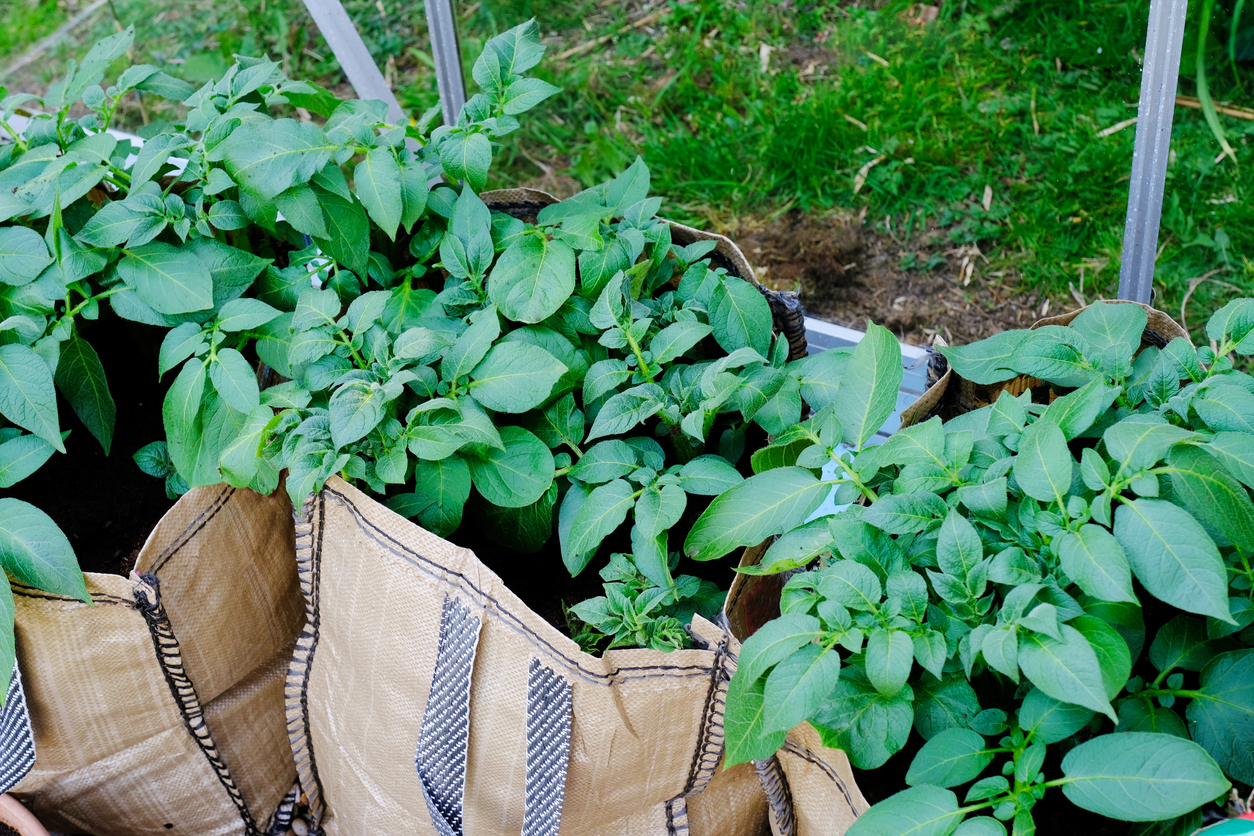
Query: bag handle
[[440, 757]]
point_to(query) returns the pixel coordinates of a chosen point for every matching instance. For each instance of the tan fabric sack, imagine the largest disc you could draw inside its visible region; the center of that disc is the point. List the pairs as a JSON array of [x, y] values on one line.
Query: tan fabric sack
[[159, 708], [425, 697], [949, 394]]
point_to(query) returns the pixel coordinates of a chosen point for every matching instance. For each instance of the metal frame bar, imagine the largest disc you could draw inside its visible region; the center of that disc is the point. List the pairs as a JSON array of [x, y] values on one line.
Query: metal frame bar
[[447, 55], [1160, 73], [345, 41]]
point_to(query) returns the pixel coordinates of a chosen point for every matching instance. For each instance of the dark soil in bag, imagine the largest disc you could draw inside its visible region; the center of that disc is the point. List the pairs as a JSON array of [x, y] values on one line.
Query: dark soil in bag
[[106, 505]]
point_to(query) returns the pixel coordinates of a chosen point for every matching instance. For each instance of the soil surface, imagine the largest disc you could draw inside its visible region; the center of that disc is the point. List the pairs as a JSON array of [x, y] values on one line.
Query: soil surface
[[105, 504], [848, 274]]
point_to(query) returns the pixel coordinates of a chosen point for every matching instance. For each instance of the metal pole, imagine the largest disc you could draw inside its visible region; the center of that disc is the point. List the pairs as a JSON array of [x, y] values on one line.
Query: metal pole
[[363, 73], [1159, 75], [445, 51]]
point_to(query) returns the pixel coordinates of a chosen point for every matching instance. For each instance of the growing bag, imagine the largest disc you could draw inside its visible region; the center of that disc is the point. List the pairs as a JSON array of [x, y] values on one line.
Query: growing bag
[[425, 697], [158, 709]]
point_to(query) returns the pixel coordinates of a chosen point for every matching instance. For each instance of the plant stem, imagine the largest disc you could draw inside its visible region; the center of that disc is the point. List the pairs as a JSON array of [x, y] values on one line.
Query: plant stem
[[853, 477]]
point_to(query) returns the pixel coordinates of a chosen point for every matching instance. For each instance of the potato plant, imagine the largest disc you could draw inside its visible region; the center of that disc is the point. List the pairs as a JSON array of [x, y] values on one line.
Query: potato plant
[[1071, 576]]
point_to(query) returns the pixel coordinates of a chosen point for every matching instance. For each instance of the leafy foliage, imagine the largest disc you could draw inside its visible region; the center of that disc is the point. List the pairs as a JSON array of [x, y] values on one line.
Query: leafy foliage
[[580, 372], [983, 591]]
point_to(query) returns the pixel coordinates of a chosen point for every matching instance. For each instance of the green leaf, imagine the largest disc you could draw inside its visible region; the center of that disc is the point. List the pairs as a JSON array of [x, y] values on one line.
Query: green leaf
[[1113, 330], [466, 248], [1055, 354], [870, 385], [1182, 643], [988, 498], [414, 191], [764, 505], [467, 157], [300, 208], [81, 378], [821, 375], [152, 156], [232, 269], [235, 380], [852, 585], [986, 361], [168, 279], [605, 376], [525, 93], [180, 413], [981, 826], [245, 314], [1221, 714], [952, 757], [1173, 556], [269, 157], [797, 685], [1093, 558], [1138, 442], [525, 529], [659, 509], [1141, 777], [378, 182], [241, 460], [532, 278], [471, 347], [958, 549], [515, 476], [741, 317], [356, 409], [33, 550], [224, 214], [889, 657], [445, 487], [1235, 451], [1211, 495], [708, 475], [1225, 407], [22, 456], [27, 394], [1050, 720], [624, 411], [674, 340], [1234, 321], [743, 723], [1044, 467], [111, 226], [918, 811], [515, 377], [348, 238], [906, 513], [605, 510], [1066, 670], [867, 725], [1113, 656], [23, 255], [775, 641], [1076, 412]]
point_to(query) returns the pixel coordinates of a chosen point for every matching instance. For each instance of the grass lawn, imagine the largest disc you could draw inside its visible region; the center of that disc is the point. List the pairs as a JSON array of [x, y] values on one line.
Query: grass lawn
[[978, 156]]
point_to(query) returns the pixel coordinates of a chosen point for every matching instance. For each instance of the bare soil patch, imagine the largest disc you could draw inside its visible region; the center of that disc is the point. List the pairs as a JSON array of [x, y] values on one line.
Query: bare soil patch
[[850, 275]]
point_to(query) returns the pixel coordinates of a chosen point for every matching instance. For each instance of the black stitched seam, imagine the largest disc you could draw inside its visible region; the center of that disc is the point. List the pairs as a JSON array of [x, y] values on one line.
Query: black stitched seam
[[194, 528], [680, 671], [96, 597], [709, 720], [169, 657], [807, 755]]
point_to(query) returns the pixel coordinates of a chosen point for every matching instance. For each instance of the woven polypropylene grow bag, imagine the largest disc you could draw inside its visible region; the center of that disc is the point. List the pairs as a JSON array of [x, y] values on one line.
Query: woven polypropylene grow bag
[[158, 709], [425, 697]]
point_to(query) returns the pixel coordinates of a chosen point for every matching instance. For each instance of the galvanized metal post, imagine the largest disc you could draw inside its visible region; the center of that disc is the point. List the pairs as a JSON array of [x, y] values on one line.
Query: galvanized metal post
[[447, 54], [1159, 74], [362, 72]]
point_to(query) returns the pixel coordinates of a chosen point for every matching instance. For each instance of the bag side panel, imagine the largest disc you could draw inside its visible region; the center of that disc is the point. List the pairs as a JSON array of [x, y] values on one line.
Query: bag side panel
[[230, 590], [381, 585], [112, 752]]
